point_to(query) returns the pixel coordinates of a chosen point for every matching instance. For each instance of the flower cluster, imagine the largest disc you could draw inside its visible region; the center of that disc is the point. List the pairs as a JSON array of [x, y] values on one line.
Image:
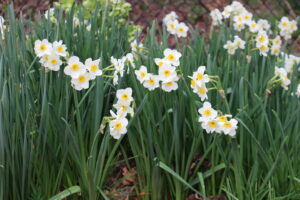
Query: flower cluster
[[167, 74], [51, 55], [287, 27], [232, 46], [290, 62], [173, 26], [81, 73], [242, 19], [119, 66], [282, 74], [262, 41], [198, 82], [212, 122], [118, 125]]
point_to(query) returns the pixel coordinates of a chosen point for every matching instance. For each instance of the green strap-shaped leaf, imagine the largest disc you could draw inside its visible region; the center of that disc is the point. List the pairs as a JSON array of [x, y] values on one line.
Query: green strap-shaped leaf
[[67, 192]]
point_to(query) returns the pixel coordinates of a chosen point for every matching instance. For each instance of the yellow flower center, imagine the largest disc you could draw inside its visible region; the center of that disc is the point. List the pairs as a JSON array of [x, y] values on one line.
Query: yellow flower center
[[160, 63], [276, 51], [292, 26], [124, 97], [167, 72], [199, 76], [193, 83], [277, 41], [284, 24], [262, 48], [180, 30], [202, 90], [43, 47], [171, 57], [261, 38], [253, 25], [207, 112], [143, 74], [169, 83], [46, 57], [212, 124], [246, 17], [53, 62], [118, 125], [151, 82], [75, 67], [227, 124], [240, 25], [81, 79], [222, 118], [124, 108], [94, 68], [172, 26], [60, 49]]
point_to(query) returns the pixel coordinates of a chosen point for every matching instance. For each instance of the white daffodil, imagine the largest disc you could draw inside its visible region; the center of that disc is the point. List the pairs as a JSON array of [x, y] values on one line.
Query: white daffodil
[[231, 47], [93, 67], [207, 112], [160, 62], [247, 17], [130, 59], [181, 30], [142, 74], [239, 42], [172, 57], [277, 41], [123, 108], [152, 82], [115, 78], [229, 127], [167, 73], [119, 65], [201, 91], [135, 46], [81, 82], [262, 38], [74, 68], [59, 48], [263, 25], [298, 91], [238, 26], [200, 77], [89, 27], [216, 16], [170, 17], [169, 86], [263, 49], [172, 26], [284, 23], [275, 50], [210, 125], [42, 48], [118, 127], [253, 27], [125, 95], [52, 62], [227, 11]]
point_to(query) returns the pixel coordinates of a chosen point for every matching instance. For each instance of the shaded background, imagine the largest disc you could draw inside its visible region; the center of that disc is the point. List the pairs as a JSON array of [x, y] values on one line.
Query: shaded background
[[194, 12]]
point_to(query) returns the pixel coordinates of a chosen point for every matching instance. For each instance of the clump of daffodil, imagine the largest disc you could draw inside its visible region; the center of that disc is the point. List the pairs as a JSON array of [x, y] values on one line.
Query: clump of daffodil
[[211, 121], [167, 75], [118, 121], [174, 27]]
